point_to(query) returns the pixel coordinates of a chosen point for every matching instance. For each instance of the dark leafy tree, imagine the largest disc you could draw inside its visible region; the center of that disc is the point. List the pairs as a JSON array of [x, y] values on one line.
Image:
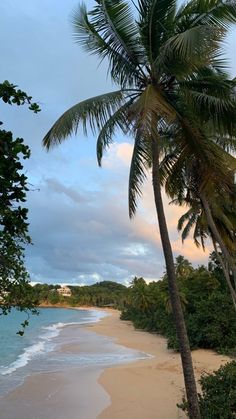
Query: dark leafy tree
[[14, 236], [218, 397], [209, 315]]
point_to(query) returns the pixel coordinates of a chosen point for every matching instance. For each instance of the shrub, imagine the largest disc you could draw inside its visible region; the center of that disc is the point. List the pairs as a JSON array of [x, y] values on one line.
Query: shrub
[[218, 398]]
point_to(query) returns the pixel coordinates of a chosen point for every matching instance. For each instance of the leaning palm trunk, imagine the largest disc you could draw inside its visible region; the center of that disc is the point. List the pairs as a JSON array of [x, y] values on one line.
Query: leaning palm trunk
[[217, 235], [186, 358], [226, 274]]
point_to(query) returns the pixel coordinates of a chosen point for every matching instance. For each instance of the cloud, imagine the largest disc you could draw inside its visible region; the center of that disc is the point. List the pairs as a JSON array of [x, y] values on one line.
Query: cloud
[[81, 235], [117, 155], [78, 212]]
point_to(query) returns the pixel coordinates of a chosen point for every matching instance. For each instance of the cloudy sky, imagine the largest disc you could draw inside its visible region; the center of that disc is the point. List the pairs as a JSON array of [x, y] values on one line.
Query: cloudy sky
[[78, 212]]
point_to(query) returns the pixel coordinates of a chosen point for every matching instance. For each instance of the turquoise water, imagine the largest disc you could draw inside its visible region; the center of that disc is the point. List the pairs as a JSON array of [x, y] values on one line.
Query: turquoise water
[[44, 346], [22, 355], [16, 351]]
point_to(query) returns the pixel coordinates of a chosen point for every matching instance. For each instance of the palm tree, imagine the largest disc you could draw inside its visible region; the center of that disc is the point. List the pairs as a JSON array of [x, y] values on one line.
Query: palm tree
[[167, 66], [165, 296], [213, 217], [183, 267], [195, 218], [141, 297]]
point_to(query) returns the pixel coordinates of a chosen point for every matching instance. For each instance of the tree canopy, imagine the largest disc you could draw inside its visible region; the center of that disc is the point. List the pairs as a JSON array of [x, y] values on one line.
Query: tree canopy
[[14, 236]]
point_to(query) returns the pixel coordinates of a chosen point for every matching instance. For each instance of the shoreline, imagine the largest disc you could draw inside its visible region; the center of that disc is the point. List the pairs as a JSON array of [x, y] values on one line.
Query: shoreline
[[135, 389], [67, 379], [149, 388], [63, 391]]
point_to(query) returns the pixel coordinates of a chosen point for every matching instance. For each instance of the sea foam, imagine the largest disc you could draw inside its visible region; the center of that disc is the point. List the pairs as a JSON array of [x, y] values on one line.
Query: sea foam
[[49, 333], [24, 358]]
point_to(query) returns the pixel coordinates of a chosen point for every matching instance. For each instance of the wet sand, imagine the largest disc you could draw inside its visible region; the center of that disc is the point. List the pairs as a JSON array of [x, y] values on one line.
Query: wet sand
[[69, 395], [147, 389], [67, 392]]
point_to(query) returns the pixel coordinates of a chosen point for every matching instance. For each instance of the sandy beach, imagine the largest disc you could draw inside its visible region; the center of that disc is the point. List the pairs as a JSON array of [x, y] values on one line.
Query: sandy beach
[[147, 389], [144, 389]]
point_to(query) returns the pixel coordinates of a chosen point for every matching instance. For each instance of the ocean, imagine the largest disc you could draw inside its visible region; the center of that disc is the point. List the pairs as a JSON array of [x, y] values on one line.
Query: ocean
[[55, 340]]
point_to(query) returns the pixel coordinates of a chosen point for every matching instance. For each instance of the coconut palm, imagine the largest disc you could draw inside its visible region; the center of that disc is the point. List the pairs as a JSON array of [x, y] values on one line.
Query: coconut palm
[[195, 218], [183, 267], [141, 297], [166, 62], [214, 218]]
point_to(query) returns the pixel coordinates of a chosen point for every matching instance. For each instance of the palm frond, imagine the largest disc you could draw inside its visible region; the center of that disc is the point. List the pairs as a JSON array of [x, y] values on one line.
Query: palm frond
[[115, 22], [105, 31], [212, 12], [201, 232], [190, 50], [166, 165], [155, 23], [93, 112], [139, 165], [119, 120], [188, 227], [226, 142], [184, 218], [213, 98], [173, 176]]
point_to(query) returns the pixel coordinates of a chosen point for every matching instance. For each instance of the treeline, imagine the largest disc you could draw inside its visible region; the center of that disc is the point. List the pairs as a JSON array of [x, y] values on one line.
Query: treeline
[[209, 312], [102, 294]]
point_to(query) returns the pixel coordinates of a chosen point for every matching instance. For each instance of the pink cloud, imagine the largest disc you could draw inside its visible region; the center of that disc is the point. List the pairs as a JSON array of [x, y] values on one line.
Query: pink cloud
[[118, 153]]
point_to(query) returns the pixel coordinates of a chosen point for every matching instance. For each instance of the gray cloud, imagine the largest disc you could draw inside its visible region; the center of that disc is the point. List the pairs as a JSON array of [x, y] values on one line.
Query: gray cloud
[[78, 213], [77, 236]]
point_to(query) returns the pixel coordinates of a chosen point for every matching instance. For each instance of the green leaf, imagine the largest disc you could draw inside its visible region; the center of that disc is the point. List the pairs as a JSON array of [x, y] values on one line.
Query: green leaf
[[119, 120], [155, 23], [93, 113], [139, 165], [110, 32]]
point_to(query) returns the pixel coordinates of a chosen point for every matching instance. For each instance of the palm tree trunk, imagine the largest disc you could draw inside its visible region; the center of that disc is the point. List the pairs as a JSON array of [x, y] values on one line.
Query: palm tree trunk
[[226, 274], [217, 235], [187, 365]]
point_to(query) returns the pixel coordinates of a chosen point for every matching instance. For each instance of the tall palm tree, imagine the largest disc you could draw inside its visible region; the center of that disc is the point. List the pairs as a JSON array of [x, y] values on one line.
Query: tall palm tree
[[195, 218], [212, 217], [167, 65]]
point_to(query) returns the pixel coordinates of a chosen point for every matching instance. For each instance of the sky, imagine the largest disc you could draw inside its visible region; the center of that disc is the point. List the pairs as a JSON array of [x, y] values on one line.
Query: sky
[[78, 213]]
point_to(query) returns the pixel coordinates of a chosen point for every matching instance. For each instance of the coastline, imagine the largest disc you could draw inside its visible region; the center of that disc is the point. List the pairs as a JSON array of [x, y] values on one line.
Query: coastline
[[148, 388], [60, 381], [131, 389]]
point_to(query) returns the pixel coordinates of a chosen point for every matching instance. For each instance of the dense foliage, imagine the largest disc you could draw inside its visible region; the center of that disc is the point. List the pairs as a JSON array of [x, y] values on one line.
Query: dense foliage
[[14, 278], [209, 313], [218, 393], [218, 398], [102, 294]]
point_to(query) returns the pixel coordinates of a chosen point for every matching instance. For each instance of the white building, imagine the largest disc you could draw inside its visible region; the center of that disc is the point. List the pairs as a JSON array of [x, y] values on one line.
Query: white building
[[64, 291]]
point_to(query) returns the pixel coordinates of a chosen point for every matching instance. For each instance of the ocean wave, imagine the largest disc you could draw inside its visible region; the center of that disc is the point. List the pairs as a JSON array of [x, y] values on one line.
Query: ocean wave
[[111, 358], [24, 358], [35, 349], [49, 333]]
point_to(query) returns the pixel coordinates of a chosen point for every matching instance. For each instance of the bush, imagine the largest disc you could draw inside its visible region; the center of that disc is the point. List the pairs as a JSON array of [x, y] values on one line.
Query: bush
[[218, 399]]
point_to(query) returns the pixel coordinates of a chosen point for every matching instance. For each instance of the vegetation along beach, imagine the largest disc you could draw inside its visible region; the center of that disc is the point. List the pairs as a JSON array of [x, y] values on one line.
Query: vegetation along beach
[[118, 279]]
